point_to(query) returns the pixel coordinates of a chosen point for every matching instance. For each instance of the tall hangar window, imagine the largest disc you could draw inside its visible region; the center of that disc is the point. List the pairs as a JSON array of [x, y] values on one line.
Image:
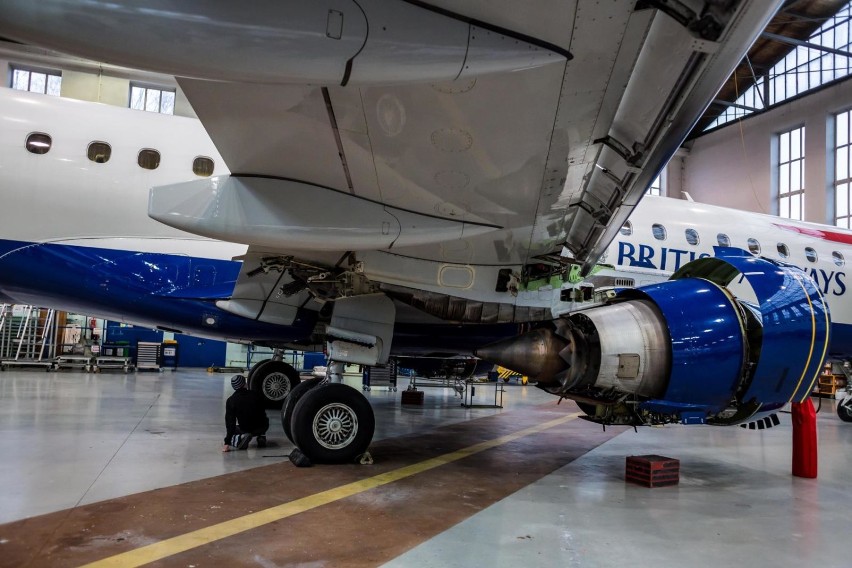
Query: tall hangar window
[[656, 187], [791, 174], [36, 81], [842, 174], [152, 99], [804, 68]]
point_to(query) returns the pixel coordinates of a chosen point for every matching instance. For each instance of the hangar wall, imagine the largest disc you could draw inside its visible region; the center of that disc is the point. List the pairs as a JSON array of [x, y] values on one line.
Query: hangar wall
[[733, 167], [90, 87]]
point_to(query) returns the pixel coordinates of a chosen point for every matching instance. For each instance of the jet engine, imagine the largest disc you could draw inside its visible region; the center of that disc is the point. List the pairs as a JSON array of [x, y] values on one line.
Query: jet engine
[[727, 340]]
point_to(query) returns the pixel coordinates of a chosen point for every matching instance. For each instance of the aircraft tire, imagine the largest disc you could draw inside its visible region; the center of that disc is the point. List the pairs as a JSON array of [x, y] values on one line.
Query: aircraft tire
[[333, 423], [254, 368], [844, 410], [273, 380], [290, 403]]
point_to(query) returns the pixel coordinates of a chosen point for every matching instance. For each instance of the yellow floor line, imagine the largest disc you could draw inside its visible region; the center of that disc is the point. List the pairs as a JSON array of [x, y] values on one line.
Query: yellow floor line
[[194, 539]]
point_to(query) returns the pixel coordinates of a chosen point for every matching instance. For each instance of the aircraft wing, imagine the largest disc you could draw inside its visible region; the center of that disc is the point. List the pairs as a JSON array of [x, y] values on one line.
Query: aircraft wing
[[497, 167], [440, 141]]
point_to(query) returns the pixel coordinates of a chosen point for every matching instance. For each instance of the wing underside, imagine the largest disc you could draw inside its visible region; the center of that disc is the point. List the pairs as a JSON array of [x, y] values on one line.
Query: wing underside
[[450, 147], [555, 154], [485, 135]]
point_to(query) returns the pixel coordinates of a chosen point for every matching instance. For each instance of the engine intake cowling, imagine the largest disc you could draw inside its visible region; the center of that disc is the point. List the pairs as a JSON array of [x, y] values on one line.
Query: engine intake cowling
[[725, 339]]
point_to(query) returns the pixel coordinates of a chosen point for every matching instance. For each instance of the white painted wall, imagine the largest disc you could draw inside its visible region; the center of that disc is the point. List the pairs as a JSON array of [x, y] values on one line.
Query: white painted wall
[[95, 88], [732, 166]]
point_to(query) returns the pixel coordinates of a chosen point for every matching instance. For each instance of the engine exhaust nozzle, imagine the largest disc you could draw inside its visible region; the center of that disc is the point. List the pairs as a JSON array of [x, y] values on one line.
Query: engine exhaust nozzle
[[534, 354]]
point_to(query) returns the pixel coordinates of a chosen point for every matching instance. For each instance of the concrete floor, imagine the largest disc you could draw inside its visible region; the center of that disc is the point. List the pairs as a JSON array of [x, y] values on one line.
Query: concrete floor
[[90, 460]]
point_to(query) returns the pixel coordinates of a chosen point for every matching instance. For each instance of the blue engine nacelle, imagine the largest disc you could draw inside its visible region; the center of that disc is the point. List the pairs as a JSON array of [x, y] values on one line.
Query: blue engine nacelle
[[724, 340]]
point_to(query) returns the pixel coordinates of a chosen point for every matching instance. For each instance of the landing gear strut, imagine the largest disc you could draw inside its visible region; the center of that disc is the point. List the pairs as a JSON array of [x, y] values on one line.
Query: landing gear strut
[[274, 379]]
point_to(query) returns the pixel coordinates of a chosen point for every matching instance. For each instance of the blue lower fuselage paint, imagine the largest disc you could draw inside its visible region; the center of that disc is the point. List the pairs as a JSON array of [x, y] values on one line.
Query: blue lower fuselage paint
[[173, 292], [179, 293]]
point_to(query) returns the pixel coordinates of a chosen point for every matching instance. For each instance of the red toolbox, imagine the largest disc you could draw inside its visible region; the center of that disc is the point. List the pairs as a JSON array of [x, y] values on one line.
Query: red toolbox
[[652, 471]]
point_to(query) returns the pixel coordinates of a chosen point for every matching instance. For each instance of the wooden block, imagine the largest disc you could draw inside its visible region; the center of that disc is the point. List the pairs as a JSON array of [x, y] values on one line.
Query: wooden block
[[652, 470], [412, 397], [653, 462]]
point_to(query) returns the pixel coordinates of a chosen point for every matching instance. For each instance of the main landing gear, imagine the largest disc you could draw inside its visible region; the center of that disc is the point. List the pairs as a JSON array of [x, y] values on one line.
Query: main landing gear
[[328, 421], [274, 379]]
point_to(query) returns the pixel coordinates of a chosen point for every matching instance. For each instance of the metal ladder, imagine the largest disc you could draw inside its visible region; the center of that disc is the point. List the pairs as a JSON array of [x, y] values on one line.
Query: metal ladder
[[33, 336], [5, 325]]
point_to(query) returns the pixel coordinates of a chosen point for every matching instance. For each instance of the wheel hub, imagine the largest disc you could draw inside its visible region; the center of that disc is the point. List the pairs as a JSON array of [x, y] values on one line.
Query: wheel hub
[[276, 386], [335, 426]]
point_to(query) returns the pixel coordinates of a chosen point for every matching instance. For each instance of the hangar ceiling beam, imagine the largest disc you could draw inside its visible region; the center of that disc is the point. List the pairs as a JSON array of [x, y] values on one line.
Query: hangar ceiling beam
[[800, 43]]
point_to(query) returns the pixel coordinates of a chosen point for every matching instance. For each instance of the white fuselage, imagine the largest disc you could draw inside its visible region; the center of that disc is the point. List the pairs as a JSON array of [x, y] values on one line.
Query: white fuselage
[[62, 197], [647, 259]]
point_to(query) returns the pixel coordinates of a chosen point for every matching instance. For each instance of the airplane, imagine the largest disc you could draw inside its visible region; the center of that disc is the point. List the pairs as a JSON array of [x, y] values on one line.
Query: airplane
[[395, 202]]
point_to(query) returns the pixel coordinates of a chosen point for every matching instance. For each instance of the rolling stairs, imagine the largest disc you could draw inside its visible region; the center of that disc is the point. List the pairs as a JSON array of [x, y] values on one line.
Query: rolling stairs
[[28, 339]]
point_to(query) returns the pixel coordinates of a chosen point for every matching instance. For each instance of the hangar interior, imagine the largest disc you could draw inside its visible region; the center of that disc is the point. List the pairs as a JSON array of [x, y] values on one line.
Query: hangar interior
[[102, 464]]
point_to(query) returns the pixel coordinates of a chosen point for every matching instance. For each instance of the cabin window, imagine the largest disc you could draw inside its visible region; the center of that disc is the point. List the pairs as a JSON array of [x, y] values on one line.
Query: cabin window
[[626, 229], [152, 99], [723, 240], [38, 143], [783, 251], [810, 254], [659, 231], [148, 159], [202, 166], [36, 81], [838, 258], [99, 152], [691, 236], [753, 246]]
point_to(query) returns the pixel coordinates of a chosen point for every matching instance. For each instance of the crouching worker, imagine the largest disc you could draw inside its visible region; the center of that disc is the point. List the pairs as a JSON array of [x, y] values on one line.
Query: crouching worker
[[245, 417]]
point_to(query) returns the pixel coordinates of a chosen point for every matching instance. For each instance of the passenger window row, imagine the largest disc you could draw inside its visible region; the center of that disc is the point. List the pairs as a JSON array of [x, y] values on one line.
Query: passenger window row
[[659, 232], [100, 153]]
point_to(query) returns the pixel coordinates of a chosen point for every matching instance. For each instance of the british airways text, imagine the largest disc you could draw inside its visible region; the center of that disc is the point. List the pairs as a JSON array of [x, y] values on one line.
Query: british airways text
[[647, 257], [830, 282]]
